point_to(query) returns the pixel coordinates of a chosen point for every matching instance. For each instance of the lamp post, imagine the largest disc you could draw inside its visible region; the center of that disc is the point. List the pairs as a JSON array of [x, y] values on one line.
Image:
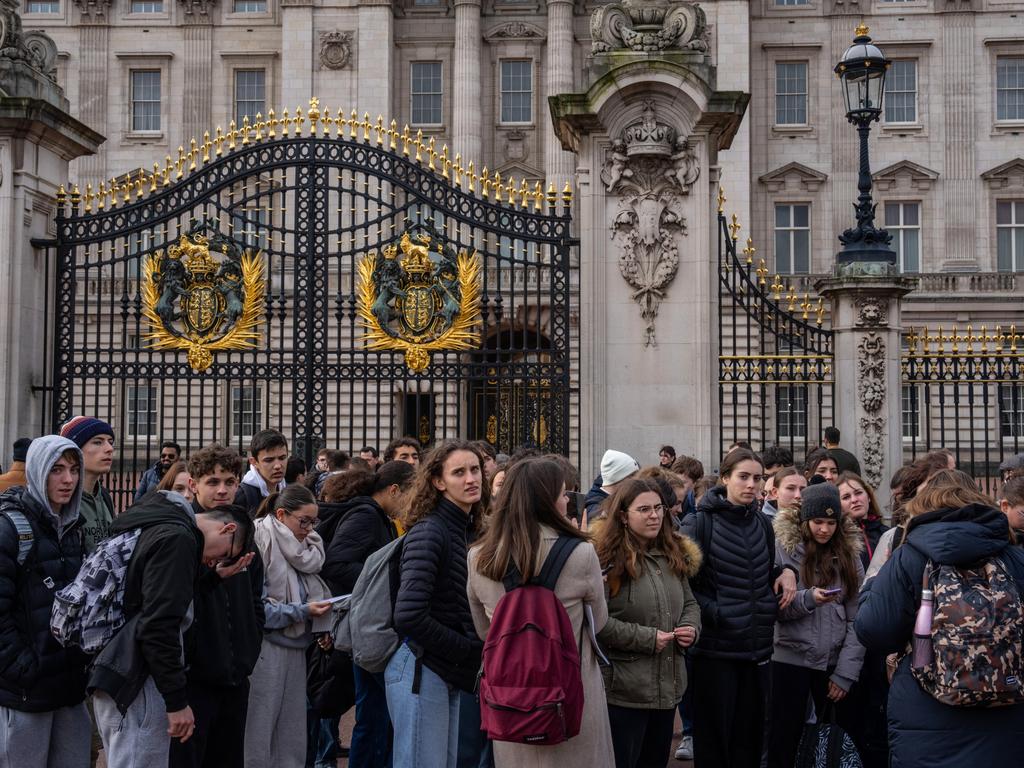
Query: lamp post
[[862, 73]]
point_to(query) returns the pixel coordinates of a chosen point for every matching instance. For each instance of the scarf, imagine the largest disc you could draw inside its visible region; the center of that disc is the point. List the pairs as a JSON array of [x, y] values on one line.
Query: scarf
[[254, 478], [291, 569]]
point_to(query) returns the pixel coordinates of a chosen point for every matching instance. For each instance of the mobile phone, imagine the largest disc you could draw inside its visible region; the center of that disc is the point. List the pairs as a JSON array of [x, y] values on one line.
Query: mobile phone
[[835, 591]]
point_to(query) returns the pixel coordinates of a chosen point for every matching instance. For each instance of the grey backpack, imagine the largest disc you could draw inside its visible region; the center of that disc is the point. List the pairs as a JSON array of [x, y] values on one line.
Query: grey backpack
[[89, 611], [367, 628]]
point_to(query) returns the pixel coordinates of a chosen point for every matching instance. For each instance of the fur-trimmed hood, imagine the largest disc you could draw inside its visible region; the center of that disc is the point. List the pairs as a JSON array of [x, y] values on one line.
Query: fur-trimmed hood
[[694, 557], [789, 537]]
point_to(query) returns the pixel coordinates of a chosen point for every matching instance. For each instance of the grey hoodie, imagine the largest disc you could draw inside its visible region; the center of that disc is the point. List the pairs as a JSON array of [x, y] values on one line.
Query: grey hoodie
[[42, 455]]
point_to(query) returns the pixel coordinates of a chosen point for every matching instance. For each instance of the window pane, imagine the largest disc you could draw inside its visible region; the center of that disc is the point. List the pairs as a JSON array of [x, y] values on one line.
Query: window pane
[[250, 94], [801, 251], [426, 93], [147, 6], [783, 263], [516, 91], [911, 250], [145, 100], [246, 411], [42, 6], [790, 92], [782, 215], [1004, 213], [141, 410], [250, 6], [800, 215], [1010, 88], [901, 92]]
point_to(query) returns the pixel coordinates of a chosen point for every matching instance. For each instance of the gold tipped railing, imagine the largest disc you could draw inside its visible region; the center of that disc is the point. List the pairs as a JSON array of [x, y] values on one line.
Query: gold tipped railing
[[446, 164], [940, 341]]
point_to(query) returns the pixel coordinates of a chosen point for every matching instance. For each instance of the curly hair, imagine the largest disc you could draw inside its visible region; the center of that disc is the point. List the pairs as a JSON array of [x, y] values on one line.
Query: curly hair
[[619, 549], [423, 497], [206, 460]]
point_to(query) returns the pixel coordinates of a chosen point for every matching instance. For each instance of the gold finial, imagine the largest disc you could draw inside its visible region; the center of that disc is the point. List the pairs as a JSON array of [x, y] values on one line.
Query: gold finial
[[721, 200], [258, 136], [457, 168], [431, 154], [393, 136], [485, 183], [418, 143], [406, 140], [76, 196], [378, 129], [777, 288], [762, 272], [538, 197], [444, 161], [820, 311], [232, 135], [862, 30], [245, 130], [734, 227], [749, 252], [471, 178], [567, 194], [285, 123], [61, 195], [314, 114], [552, 195], [299, 119], [366, 127], [88, 198]]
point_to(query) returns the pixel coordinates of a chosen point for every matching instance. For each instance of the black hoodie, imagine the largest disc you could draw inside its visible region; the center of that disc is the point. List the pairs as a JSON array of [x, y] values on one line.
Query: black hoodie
[[159, 588], [364, 528]]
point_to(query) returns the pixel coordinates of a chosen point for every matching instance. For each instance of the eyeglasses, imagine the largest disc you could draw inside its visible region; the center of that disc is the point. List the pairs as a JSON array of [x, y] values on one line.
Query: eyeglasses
[[168, 456], [657, 509], [305, 523]]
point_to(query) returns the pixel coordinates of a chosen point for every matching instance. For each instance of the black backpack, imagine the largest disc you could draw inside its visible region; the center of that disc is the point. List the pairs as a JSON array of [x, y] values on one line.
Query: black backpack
[[826, 745]]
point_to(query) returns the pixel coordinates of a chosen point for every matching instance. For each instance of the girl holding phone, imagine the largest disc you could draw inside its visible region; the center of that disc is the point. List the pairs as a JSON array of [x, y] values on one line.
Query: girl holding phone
[[817, 653]]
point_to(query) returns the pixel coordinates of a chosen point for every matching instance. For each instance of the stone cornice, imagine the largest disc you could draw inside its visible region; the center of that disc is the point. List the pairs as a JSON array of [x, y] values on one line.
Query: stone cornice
[[807, 177], [515, 30]]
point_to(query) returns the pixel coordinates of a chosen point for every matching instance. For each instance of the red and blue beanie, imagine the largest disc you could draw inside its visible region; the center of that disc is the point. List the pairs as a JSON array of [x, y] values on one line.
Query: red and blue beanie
[[81, 429]]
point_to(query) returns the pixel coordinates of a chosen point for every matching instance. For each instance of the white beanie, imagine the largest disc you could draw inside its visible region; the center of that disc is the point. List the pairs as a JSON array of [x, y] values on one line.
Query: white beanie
[[617, 466]]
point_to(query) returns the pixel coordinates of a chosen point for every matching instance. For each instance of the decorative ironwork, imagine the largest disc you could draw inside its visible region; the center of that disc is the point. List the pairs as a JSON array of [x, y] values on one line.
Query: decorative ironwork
[[775, 366], [312, 192], [417, 305], [195, 303]]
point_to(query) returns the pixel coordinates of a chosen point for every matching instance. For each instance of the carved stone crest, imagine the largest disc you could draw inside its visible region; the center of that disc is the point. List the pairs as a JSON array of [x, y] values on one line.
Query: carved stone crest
[[93, 11], [648, 25], [516, 30], [515, 145], [335, 49], [198, 11], [871, 393], [872, 312]]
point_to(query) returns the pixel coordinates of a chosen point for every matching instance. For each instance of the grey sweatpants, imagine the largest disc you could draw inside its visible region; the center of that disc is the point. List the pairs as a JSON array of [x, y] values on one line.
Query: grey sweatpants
[[275, 730], [57, 739], [140, 737]]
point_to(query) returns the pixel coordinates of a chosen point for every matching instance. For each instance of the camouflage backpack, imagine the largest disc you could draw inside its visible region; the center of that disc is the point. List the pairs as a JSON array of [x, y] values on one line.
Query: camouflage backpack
[[977, 630]]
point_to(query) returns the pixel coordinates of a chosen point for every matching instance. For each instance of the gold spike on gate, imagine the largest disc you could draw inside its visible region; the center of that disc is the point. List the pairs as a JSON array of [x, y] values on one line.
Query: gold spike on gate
[[244, 130], [271, 124], [485, 183], [258, 135], [393, 136]]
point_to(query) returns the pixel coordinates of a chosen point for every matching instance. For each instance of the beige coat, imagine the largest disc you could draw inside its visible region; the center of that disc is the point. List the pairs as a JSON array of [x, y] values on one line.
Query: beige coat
[[580, 583]]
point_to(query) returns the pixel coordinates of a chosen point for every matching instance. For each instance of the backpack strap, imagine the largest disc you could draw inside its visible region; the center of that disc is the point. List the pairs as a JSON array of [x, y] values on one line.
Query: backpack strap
[[555, 561], [23, 529]]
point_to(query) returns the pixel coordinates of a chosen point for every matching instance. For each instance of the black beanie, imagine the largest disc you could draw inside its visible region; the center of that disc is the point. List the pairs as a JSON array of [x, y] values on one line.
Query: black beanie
[[820, 501], [21, 448]]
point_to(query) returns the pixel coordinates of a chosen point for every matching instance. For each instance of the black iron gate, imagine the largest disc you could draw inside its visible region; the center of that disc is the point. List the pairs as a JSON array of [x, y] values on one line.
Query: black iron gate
[[312, 195], [775, 357]]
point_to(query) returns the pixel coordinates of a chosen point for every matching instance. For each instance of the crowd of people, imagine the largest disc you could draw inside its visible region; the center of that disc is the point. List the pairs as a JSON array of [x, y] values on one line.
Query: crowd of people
[[767, 605]]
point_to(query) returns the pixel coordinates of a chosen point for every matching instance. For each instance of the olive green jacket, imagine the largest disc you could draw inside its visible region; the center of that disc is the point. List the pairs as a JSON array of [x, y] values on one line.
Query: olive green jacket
[[659, 599]]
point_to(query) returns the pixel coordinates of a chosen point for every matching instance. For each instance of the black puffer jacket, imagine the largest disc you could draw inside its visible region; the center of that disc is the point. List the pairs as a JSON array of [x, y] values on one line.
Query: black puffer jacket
[[432, 608], [872, 528], [223, 644], [36, 673], [923, 732], [364, 528], [734, 585]]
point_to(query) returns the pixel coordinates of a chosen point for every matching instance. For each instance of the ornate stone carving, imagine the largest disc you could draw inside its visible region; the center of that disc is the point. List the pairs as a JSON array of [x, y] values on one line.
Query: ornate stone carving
[[516, 30], [871, 393], [198, 10], [515, 145], [36, 49], [648, 25], [649, 168], [93, 11], [335, 49], [872, 312]]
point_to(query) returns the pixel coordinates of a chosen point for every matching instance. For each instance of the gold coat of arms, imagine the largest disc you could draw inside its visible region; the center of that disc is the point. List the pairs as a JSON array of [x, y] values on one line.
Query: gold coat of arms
[[196, 303], [416, 302]]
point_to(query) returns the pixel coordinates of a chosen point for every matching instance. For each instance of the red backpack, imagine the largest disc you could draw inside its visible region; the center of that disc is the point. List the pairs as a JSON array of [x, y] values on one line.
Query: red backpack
[[531, 691]]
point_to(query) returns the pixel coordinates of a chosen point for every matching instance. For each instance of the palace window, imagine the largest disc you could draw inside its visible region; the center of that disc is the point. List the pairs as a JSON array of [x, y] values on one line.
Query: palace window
[[249, 227], [1010, 88], [1011, 410], [792, 239], [250, 6], [910, 409], [791, 93], [147, 6], [250, 94], [42, 6], [141, 410], [246, 412], [426, 93], [790, 412], [145, 100], [903, 220], [516, 91], [791, 2], [901, 92], [1010, 235]]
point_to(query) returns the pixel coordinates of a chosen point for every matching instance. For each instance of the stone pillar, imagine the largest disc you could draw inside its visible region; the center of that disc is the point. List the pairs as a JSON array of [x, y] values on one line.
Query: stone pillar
[[38, 139], [198, 97], [558, 78], [647, 131], [466, 106], [297, 52], [959, 54], [374, 59], [93, 82], [866, 320]]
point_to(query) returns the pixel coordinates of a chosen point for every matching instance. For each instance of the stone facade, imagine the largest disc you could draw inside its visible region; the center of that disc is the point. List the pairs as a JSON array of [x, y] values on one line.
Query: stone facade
[[483, 71]]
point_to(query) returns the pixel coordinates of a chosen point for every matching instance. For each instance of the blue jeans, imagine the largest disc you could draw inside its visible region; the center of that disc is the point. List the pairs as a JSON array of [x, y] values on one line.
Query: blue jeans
[[475, 750], [371, 736], [426, 723]]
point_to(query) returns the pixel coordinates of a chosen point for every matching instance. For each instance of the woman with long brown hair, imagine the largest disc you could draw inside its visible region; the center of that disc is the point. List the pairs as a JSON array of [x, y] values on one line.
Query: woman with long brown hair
[[952, 527], [440, 653], [652, 618], [530, 516], [816, 653], [861, 507]]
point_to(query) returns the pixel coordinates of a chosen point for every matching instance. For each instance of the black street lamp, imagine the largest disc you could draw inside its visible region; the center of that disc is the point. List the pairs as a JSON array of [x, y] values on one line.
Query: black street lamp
[[862, 73]]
